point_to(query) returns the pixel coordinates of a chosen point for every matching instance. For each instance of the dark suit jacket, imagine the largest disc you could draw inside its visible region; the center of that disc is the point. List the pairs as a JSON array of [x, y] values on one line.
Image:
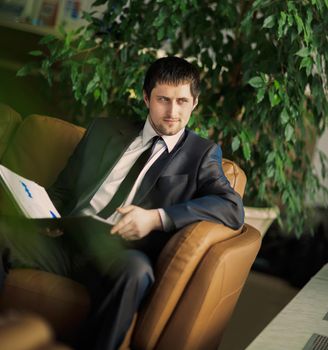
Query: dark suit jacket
[[188, 183]]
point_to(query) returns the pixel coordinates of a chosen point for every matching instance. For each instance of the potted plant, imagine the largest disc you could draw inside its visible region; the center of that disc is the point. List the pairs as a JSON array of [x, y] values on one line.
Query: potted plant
[[264, 71]]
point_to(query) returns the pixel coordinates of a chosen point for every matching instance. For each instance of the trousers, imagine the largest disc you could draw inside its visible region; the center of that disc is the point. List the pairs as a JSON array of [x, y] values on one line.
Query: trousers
[[117, 278]]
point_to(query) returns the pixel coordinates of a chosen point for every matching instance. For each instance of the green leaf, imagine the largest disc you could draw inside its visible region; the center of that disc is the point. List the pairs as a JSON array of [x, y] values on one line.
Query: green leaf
[[284, 117], [36, 53], [276, 84], [87, 16], [281, 24], [274, 98], [283, 17], [256, 82], [104, 97], [307, 64], [183, 6], [47, 39], [271, 157], [260, 95], [25, 70], [124, 54], [299, 23], [245, 145], [93, 61], [265, 77], [247, 151], [290, 20], [289, 132], [192, 121], [91, 85], [235, 143], [159, 21], [99, 2], [304, 52], [269, 22], [96, 94], [285, 196], [257, 3], [160, 34], [270, 171]]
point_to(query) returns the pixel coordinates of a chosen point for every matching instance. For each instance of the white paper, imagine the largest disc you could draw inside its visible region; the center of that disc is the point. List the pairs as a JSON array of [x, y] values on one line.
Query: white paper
[[31, 198]]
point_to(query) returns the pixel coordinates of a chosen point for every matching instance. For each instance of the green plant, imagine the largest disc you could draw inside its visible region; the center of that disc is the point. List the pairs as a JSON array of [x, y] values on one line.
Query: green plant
[[264, 67]]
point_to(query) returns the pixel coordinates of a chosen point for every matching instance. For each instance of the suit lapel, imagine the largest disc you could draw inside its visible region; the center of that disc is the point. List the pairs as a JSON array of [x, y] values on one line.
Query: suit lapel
[[114, 149], [117, 143]]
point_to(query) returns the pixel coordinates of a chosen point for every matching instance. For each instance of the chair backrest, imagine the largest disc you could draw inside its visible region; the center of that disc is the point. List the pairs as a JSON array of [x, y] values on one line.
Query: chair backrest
[[9, 121], [40, 148]]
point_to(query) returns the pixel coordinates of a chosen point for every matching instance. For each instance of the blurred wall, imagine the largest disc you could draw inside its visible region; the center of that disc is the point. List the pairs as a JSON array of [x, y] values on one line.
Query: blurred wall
[[25, 94]]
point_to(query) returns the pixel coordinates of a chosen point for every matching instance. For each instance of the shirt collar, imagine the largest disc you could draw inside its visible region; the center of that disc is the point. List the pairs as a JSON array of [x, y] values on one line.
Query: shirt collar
[[148, 133]]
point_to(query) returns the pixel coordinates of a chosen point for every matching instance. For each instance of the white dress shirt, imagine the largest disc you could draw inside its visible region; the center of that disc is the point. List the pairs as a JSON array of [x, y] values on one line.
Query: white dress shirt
[[109, 187]]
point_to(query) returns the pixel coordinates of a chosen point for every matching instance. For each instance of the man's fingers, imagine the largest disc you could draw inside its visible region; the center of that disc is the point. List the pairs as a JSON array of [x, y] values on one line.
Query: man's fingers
[[123, 222], [129, 235], [126, 209], [127, 232], [52, 232], [125, 229], [126, 219]]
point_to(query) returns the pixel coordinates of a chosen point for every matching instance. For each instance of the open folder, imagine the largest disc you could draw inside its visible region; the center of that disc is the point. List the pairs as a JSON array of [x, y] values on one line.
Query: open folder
[[30, 199], [32, 202]]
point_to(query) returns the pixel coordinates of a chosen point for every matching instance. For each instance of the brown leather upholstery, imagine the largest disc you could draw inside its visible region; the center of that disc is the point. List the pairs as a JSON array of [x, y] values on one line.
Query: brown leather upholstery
[[199, 274], [41, 147], [9, 120], [235, 175], [49, 295], [200, 314], [19, 331]]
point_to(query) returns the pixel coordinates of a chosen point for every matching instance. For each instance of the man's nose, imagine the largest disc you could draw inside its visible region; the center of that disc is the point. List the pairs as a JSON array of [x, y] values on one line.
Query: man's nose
[[173, 109]]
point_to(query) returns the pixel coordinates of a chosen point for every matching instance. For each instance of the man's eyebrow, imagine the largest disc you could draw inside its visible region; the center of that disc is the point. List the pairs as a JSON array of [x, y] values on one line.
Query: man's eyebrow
[[182, 98]]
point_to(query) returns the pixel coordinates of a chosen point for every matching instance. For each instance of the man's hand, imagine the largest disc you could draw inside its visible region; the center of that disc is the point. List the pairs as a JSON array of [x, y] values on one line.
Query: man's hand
[[137, 222]]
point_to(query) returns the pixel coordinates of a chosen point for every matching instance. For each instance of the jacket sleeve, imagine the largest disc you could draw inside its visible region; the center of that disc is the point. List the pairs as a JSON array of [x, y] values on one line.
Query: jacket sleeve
[[215, 200], [62, 191]]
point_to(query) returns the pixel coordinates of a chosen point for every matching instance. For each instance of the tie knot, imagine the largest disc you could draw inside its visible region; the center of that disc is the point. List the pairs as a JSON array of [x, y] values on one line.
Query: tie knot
[[155, 139]]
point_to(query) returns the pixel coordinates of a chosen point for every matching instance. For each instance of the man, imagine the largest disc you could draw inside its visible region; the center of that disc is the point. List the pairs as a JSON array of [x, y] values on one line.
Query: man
[[147, 182]]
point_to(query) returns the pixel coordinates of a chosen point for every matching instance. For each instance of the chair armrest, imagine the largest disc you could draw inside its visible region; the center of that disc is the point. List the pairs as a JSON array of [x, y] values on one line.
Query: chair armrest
[[23, 331], [61, 301], [176, 264]]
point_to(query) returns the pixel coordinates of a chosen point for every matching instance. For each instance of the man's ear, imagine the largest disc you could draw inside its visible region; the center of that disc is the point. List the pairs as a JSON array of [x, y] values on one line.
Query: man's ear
[[195, 103], [145, 98]]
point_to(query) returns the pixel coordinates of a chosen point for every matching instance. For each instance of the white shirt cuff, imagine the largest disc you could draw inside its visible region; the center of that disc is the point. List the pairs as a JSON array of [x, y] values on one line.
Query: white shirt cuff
[[166, 221]]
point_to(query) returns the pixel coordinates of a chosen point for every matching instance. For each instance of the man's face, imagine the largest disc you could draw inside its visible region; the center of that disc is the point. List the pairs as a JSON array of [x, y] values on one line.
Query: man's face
[[170, 107]]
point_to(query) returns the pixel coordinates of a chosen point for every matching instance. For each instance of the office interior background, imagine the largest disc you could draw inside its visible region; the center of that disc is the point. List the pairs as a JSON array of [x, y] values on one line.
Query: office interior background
[[286, 261]]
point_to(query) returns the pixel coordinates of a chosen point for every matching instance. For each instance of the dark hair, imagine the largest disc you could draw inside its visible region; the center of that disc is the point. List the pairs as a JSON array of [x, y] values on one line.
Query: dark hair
[[173, 71]]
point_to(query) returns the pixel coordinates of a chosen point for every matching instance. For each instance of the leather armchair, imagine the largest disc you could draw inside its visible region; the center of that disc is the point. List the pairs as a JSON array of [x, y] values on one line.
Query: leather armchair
[[19, 331], [199, 274]]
